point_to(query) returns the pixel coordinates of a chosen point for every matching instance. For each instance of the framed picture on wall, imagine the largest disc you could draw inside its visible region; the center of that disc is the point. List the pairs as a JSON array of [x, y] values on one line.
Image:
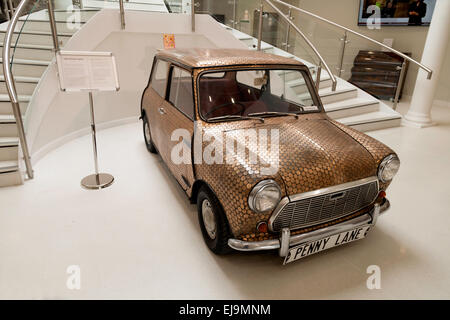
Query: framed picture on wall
[[397, 12]]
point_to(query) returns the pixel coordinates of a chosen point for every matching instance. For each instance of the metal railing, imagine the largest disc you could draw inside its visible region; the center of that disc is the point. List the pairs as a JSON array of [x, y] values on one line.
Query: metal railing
[[11, 87], [9, 78], [345, 41], [8, 9], [322, 62]]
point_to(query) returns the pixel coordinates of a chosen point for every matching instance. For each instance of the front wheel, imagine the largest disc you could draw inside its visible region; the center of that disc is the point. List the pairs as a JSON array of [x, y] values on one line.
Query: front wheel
[[213, 222], [147, 135]]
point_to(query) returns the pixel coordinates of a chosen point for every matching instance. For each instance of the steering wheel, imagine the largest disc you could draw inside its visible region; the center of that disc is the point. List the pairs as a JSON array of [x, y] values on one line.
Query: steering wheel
[[226, 105]]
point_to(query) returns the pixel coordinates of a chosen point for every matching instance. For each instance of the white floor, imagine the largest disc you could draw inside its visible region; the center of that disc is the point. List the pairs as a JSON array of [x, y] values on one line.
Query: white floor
[[140, 237]]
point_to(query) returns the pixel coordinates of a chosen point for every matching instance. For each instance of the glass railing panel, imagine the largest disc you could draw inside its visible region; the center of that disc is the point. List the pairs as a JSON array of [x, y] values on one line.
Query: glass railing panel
[[326, 40], [224, 11], [23, 28], [175, 6], [32, 47], [374, 69]]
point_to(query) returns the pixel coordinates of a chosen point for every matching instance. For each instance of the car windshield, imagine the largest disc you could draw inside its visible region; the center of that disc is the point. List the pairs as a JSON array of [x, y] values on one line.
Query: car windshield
[[255, 93]]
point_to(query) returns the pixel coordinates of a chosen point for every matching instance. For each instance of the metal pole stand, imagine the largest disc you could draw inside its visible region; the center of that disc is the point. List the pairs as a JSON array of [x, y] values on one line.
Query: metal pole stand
[[97, 180]]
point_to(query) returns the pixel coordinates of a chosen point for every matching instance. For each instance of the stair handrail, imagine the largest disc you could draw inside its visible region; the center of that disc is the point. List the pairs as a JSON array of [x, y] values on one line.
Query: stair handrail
[[310, 44], [404, 56], [11, 86]]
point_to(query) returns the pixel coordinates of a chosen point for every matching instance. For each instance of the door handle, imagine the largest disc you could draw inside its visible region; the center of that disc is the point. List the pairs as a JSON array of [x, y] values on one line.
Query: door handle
[[162, 111]]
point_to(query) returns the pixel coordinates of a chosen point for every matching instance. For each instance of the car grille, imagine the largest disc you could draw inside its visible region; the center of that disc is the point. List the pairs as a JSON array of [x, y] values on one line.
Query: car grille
[[325, 207]]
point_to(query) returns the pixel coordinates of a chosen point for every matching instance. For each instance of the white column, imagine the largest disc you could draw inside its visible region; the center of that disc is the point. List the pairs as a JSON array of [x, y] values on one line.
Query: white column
[[419, 114]]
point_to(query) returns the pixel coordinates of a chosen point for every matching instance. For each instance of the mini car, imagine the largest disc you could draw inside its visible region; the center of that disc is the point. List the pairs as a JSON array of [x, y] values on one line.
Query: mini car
[[245, 135]]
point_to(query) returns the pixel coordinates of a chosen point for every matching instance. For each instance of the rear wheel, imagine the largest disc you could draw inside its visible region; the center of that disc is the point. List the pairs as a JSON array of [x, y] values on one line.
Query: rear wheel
[[147, 135], [213, 222]]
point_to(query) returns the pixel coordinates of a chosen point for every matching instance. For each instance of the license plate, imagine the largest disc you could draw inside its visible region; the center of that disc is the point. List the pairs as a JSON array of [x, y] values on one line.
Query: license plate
[[310, 248]]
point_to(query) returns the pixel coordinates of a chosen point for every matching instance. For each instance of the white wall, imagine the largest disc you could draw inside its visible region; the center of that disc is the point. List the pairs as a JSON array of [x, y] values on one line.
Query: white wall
[[443, 93], [53, 117]]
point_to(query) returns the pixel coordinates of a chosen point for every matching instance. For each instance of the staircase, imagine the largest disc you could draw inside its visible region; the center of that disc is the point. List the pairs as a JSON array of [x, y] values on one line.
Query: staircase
[[32, 55], [348, 104]]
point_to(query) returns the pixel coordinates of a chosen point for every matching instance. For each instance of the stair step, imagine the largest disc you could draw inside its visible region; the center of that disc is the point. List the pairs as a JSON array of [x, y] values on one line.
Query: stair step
[[5, 104], [249, 42], [43, 25], [264, 46], [372, 121], [9, 166], [299, 85], [62, 15], [8, 142], [38, 52], [8, 126], [10, 174], [27, 68], [9, 148], [327, 96], [7, 118], [351, 107], [24, 85], [155, 7], [37, 37]]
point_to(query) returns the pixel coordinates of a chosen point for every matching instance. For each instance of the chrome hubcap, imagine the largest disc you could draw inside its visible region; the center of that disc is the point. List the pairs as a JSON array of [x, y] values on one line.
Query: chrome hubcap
[[209, 221], [147, 132]]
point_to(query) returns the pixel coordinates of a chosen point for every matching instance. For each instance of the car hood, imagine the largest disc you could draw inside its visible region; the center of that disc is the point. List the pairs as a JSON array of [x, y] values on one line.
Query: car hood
[[312, 154]]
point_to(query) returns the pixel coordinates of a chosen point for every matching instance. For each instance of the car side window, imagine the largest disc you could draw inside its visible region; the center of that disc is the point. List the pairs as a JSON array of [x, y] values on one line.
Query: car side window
[[181, 92], [159, 78]]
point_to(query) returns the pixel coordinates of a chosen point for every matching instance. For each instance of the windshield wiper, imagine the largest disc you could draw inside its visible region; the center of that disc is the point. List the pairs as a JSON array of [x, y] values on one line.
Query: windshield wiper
[[275, 113], [235, 116]]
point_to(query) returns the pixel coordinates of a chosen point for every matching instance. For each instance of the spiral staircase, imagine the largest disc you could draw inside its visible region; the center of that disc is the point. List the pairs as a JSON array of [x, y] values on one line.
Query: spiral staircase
[[34, 52]]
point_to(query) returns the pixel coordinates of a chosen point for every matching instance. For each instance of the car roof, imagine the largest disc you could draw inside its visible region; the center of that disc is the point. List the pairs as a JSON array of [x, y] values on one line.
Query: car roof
[[203, 58]]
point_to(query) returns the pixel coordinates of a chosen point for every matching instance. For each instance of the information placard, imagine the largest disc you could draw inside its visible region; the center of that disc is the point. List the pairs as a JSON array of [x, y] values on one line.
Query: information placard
[[87, 71]]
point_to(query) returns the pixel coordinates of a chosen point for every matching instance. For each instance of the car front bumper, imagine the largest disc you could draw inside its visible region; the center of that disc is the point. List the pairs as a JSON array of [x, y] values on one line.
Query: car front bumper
[[286, 240]]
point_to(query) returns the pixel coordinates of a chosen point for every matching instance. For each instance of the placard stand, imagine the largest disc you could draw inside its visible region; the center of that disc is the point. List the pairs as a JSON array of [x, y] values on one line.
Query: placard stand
[[96, 180], [89, 71]]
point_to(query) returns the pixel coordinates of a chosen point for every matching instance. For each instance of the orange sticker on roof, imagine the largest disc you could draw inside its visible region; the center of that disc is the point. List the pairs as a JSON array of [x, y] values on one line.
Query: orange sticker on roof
[[169, 41]]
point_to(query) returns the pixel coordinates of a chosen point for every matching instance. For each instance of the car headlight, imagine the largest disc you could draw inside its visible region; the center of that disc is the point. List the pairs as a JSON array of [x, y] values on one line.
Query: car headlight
[[264, 196], [388, 168]]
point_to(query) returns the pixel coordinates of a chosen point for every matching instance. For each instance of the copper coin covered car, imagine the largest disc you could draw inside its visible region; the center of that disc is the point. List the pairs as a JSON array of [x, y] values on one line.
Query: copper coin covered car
[[246, 136]]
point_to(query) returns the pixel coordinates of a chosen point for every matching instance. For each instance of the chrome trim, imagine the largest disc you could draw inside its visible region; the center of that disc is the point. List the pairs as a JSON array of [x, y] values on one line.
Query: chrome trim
[[311, 194], [385, 206], [375, 213], [384, 163], [260, 186], [284, 242], [368, 218]]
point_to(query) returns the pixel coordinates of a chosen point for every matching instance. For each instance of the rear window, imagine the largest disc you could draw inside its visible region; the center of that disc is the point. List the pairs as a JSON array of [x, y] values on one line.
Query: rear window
[[159, 77]]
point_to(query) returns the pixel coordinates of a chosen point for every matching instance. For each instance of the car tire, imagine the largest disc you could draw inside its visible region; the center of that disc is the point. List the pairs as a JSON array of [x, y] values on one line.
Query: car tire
[[211, 216], [147, 135]]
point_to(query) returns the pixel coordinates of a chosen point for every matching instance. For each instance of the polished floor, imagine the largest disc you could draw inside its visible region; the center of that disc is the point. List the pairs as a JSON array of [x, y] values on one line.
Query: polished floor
[[140, 238]]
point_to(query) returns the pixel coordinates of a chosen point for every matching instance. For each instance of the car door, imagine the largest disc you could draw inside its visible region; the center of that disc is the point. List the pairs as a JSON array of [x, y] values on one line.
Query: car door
[[153, 99], [177, 123]]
